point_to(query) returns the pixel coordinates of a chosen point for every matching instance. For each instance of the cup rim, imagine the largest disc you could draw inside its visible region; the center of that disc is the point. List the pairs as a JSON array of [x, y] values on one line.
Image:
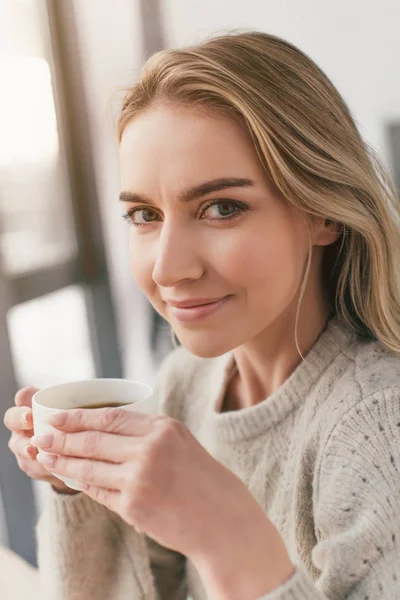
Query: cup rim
[[102, 379]]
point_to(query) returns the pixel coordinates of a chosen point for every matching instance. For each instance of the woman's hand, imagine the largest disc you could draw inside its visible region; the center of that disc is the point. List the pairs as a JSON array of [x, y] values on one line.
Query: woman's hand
[[18, 419], [151, 471], [154, 473]]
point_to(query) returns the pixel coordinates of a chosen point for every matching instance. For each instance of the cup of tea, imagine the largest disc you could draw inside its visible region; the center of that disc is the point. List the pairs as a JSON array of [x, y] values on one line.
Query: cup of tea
[[89, 394]]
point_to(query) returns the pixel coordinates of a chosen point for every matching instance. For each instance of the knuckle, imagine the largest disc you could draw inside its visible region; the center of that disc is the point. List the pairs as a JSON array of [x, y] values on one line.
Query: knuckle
[[79, 417], [90, 443], [61, 441], [112, 416]]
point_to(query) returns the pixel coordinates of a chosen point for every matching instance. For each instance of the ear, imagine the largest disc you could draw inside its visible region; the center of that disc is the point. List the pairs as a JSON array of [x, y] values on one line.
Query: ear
[[325, 232]]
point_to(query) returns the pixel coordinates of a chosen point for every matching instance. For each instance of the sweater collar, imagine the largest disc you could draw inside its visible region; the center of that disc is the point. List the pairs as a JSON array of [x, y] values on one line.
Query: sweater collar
[[252, 421]]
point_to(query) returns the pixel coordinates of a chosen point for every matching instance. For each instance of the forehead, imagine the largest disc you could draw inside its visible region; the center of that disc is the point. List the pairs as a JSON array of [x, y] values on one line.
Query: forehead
[[172, 143]]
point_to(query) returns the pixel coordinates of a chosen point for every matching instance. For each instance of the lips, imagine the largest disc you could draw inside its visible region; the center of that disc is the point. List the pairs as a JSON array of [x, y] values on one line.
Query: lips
[[190, 303], [199, 311]]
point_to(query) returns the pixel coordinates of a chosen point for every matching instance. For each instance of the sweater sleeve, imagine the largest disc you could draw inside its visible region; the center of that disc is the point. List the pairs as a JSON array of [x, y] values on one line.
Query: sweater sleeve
[[356, 509], [87, 551]]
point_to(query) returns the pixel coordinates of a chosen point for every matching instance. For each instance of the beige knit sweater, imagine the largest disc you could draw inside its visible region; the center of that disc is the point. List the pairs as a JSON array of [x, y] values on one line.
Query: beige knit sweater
[[321, 455]]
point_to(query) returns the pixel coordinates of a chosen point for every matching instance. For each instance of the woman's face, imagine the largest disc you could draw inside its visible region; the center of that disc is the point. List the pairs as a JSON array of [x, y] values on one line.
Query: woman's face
[[190, 243]]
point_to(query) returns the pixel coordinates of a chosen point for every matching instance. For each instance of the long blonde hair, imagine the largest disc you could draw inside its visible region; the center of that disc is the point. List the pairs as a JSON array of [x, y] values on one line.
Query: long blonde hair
[[309, 145]]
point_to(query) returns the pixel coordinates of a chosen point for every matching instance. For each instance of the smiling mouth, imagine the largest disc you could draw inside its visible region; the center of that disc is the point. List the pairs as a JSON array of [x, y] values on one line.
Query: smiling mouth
[[191, 303], [200, 311]]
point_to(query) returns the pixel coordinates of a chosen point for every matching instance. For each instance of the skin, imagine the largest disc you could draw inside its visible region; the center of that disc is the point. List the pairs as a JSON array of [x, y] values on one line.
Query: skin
[[150, 469], [178, 252], [18, 419], [152, 472]]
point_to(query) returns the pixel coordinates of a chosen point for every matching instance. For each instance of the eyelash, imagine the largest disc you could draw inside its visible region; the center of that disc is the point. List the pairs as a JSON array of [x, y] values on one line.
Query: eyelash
[[241, 208]]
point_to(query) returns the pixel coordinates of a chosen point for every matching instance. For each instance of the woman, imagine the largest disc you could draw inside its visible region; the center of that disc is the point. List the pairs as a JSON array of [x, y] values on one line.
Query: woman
[[267, 234]]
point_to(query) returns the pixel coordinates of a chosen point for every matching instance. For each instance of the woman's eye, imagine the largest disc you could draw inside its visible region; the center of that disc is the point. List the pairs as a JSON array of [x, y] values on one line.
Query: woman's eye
[[145, 215], [222, 209], [217, 210], [140, 216]]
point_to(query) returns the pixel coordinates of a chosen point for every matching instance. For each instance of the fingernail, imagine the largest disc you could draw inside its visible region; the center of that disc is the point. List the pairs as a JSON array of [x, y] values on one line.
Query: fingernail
[[49, 460], [57, 419], [43, 441], [26, 451], [24, 418]]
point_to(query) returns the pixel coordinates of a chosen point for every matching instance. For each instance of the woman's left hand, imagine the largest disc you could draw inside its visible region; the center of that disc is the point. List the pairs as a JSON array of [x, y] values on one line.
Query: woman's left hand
[[152, 472]]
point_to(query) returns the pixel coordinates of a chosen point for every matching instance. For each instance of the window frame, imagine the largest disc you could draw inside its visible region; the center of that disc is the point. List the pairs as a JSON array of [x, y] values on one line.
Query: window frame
[[88, 269]]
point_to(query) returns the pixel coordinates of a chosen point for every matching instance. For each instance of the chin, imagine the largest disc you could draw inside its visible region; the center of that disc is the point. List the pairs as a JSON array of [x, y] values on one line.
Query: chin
[[205, 344]]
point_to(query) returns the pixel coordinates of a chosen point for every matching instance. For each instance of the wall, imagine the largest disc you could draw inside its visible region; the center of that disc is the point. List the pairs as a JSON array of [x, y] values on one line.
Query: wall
[[357, 43]]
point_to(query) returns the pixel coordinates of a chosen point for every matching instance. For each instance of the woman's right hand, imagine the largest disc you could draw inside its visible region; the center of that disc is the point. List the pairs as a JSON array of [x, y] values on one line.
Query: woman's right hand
[[18, 419]]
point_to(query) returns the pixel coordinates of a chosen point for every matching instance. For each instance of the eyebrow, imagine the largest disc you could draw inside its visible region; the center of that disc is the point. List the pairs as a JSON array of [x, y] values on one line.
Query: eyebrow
[[216, 185]]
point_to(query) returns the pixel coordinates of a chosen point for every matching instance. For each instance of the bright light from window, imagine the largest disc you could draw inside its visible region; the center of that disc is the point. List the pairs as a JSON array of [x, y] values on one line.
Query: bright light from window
[[27, 116]]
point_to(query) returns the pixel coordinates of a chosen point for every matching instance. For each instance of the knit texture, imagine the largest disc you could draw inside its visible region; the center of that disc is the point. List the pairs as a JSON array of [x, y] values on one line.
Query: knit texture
[[321, 455]]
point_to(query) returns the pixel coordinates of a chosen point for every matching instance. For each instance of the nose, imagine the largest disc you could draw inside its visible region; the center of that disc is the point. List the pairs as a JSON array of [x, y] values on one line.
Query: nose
[[177, 257]]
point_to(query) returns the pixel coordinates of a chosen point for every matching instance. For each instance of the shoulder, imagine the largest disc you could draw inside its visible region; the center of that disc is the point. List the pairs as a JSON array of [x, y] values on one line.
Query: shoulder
[[360, 446], [355, 410], [366, 374], [363, 439], [372, 389], [376, 368]]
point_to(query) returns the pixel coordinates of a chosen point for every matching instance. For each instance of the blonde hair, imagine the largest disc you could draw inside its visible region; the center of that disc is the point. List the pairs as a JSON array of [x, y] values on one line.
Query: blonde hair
[[309, 145]]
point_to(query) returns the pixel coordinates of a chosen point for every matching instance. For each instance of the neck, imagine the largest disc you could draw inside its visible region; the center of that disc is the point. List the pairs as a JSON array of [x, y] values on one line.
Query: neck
[[263, 364]]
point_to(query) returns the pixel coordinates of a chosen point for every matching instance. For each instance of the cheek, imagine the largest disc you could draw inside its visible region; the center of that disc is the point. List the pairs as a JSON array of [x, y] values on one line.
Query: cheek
[[265, 260]]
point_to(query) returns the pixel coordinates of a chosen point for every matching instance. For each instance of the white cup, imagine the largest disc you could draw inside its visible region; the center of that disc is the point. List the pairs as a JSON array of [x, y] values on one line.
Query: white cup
[[75, 394]]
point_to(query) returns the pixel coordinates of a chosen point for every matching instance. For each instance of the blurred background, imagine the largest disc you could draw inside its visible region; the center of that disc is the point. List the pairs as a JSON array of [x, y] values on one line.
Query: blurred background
[[69, 307]]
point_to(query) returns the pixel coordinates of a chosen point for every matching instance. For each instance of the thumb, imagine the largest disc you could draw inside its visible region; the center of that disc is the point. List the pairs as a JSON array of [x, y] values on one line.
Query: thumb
[[24, 396]]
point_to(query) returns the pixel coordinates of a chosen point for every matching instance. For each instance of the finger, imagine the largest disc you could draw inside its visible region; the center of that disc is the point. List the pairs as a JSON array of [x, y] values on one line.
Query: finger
[[93, 472], [88, 444], [112, 420], [28, 451], [18, 419], [27, 461], [109, 498], [34, 470], [24, 396], [31, 451], [21, 447]]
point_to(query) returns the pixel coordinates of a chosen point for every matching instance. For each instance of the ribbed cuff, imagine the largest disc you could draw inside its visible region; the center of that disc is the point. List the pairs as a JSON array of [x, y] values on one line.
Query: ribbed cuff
[[74, 509], [299, 587]]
